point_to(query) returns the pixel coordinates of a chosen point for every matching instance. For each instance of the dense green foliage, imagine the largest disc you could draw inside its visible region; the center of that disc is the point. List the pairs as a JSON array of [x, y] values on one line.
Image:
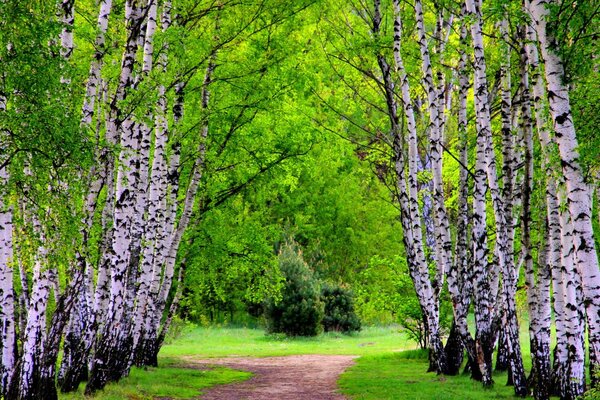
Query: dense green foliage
[[300, 310], [298, 146], [339, 310]]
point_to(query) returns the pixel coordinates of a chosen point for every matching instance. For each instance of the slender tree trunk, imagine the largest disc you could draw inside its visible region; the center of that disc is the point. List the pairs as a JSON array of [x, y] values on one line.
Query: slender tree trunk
[[152, 318], [578, 191], [572, 383], [423, 286], [538, 290], [484, 339], [112, 349], [504, 258], [28, 371], [152, 344], [459, 277], [7, 307], [443, 245], [503, 353], [156, 210]]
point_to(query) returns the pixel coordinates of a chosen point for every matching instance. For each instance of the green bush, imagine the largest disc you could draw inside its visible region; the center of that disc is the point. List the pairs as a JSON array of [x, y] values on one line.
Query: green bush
[[300, 311], [339, 310]]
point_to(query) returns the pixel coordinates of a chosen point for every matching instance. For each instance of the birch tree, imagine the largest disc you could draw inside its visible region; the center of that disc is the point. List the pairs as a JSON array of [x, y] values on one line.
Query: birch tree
[[578, 194]]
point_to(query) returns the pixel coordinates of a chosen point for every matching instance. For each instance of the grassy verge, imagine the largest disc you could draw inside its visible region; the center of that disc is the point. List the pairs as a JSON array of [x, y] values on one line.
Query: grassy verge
[[169, 381], [222, 342], [172, 380], [403, 376]]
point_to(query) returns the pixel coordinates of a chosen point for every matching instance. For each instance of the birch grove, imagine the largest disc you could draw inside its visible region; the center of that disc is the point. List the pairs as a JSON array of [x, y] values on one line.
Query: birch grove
[[491, 254], [114, 116]]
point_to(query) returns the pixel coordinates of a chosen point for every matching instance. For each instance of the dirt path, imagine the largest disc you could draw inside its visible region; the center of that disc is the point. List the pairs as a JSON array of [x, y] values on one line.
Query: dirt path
[[306, 377]]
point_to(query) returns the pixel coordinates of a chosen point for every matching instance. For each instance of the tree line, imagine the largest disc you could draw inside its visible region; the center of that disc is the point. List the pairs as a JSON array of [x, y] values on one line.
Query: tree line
[[134, 132], [484, 86]]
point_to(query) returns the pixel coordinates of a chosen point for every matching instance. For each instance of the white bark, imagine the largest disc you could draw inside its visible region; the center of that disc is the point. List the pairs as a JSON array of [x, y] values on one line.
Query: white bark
[[105, 365], [443, 244], [156, 201], [67, 18], [460, 279], [96, 66], [7, 308], [34, 335], [554, 256], [149, 37], [578, 191], [420, 273], [572, 383], [504, 256], [481, 285]]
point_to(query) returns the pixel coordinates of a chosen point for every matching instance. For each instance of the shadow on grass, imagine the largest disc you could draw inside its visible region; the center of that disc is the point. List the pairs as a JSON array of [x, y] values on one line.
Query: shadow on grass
[[403, 376]]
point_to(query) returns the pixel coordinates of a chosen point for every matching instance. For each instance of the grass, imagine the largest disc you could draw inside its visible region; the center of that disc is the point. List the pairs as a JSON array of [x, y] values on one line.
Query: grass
[[170, 380], [403, 376], [388, 368], [221, 342], [174, 381]]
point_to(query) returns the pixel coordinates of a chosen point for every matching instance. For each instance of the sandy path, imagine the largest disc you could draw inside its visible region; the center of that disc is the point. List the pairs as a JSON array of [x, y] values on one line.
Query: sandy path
[[306, 377]]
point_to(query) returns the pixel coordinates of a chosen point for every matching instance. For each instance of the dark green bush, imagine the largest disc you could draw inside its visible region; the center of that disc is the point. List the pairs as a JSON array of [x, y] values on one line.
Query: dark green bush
[[339, 310], [300, 311]]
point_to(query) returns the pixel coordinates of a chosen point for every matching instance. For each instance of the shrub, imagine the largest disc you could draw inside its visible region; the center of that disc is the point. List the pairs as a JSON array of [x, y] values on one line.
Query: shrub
[[300, 311], [339, 310]]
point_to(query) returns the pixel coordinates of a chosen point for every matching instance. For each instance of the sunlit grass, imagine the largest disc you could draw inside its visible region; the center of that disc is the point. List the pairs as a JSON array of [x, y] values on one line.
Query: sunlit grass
[[388, 367], [171, 380], [222, 342], [403, 376]]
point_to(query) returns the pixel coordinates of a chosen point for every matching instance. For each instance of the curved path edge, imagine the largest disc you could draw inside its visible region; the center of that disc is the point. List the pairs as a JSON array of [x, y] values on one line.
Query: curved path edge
[[298, 377]]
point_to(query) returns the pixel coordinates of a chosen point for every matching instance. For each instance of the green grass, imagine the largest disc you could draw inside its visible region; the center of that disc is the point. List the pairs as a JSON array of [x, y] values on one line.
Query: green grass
[[170, 380], [403, 376], [222, 342], [388, 367], [175, 381]]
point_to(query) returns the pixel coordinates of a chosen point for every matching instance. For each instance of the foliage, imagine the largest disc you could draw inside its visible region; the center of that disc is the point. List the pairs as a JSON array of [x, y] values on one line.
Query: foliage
[[300, 311], [594, 392], [386, 285], [339, 310]]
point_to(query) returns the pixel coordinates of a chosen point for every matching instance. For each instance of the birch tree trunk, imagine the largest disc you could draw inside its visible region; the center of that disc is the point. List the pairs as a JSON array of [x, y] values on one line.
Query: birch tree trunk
[[578, 191], [96, 66], [146, 347], [459, 277], [572, 383], [538, 290], [111, 349], [80, 333], [484, 337], [503, 356], [152, 344], [157, 206], [7, 306], [504, 258], [443, 244], [28, 371], [420, 273]]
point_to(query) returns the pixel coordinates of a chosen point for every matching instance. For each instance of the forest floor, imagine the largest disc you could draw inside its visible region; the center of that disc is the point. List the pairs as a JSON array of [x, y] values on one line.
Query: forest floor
[[298, 377]]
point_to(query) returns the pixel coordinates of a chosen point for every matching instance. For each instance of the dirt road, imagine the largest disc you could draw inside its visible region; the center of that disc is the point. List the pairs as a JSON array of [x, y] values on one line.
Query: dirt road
[[305, 377]]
